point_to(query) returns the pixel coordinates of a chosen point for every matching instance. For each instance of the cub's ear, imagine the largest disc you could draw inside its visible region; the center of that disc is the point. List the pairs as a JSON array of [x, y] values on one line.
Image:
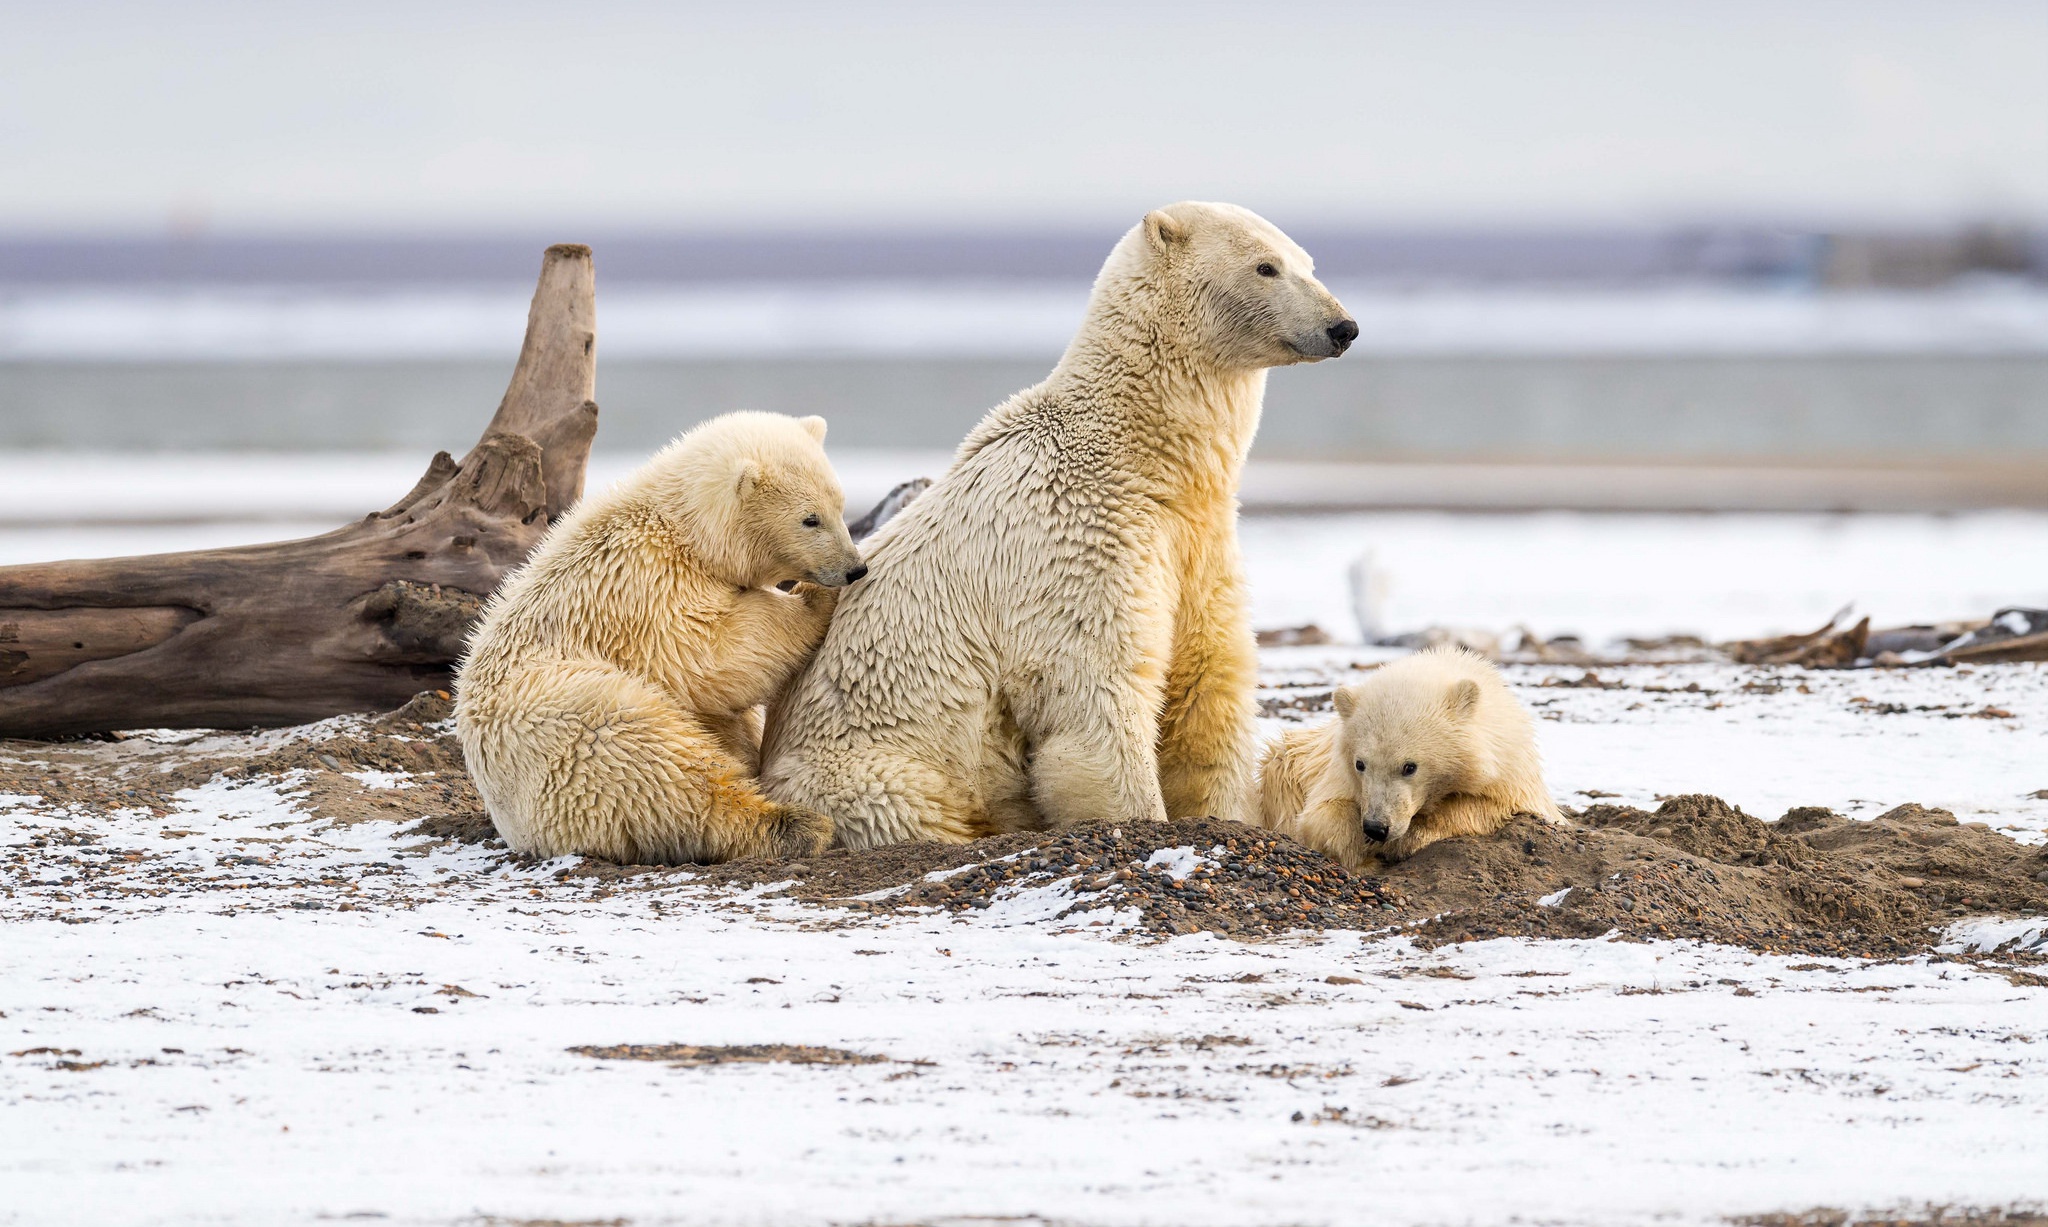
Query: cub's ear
[[1347, 701], [814, 426], [749, 477], [1463, 699], [1162, 231]]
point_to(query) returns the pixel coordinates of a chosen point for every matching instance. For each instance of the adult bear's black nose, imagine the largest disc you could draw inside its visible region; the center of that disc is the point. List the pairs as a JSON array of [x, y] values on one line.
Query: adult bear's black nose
[[1342, 334], [857, 573], [1375, 831]]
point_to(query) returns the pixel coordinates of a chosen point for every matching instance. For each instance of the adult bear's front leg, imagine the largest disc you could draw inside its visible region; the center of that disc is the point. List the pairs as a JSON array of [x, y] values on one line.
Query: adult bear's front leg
[[1207, 733]]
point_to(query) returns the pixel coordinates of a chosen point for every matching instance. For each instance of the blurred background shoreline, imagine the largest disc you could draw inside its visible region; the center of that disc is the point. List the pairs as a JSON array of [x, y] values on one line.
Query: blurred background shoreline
[[1690, 368], [1673, 318], [1526, 434]]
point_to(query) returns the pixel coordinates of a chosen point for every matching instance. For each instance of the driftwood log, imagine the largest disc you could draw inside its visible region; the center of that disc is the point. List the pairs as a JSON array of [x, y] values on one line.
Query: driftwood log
[[359, 619], [1833, 646]]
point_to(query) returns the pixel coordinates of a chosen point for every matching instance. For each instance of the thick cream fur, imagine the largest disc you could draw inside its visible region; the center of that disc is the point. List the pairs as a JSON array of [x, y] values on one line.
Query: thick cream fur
[[608, 704], [1445, 710], [1056, 631]]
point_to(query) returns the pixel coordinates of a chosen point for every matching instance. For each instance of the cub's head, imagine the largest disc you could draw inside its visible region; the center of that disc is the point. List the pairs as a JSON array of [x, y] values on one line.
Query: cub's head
[[1409, 737], [762, 503], [1240, 292]]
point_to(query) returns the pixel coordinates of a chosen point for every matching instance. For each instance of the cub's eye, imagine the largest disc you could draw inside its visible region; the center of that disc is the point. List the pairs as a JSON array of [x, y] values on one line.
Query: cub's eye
[[810, 521], [1267, 270], [1407, 768], [1358, 763]]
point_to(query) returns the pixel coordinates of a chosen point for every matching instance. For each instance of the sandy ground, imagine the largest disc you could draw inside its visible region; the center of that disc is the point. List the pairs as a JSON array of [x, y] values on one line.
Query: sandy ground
[[242, 983]]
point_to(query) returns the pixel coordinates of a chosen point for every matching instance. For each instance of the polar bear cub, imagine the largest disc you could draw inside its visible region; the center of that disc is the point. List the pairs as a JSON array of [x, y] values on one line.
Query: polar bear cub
[[609, 702], [1425, 748]]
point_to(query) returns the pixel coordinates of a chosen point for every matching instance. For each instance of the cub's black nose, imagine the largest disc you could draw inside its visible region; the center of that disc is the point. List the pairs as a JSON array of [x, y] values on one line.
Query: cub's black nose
[[1376, 831], [857, 573], [1342, 334]]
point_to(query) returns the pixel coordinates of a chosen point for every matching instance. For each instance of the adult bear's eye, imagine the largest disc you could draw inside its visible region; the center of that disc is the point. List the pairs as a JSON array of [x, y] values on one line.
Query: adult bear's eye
[[1267, 270], [810, 521], [1407, 768], [1358, 763]]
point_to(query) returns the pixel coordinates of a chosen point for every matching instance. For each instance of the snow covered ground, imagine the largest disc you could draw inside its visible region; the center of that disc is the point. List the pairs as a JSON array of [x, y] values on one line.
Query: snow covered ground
[[325, 1021], [328, 1021], [1601, 575]]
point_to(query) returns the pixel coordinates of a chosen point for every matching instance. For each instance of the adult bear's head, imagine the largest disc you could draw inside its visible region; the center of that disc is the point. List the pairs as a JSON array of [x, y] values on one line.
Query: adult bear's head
[[1226, 284]]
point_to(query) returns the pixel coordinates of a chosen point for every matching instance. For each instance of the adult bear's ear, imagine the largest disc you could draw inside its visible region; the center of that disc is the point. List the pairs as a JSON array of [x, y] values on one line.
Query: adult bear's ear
[[1463, 699], [1162, 231], [1347, 701], [815, 425], [750, 476]]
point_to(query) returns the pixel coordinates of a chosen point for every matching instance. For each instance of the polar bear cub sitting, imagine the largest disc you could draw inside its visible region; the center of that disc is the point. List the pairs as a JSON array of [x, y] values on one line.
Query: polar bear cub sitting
[[1427, 747], [609, 702]]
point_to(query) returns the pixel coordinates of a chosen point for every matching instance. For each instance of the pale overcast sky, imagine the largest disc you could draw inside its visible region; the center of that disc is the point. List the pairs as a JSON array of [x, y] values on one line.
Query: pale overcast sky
[[287, 115]]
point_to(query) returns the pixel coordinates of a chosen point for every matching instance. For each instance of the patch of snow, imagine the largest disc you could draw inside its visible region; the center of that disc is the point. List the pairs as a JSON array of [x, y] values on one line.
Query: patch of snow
[[370, 777], [1997, 934], [1178, 863], [1554, 899], [1029, 904], [940, 875]]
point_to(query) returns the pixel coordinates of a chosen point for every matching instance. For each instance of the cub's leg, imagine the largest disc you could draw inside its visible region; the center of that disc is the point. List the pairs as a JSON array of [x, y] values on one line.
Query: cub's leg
[[1331, 826], [624, 774], [1295, 797], [1455, 815], [1285, 772], [738, 733], [1207, 738]]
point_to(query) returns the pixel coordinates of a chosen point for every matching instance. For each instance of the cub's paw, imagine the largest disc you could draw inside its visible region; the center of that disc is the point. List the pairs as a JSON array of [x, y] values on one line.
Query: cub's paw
[[794, 832], [818, 599], [1386, 857]]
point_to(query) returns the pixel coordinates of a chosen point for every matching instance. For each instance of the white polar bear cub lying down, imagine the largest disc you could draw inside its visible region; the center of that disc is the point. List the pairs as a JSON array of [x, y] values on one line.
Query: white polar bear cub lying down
[[608, 704], [1425, 748]]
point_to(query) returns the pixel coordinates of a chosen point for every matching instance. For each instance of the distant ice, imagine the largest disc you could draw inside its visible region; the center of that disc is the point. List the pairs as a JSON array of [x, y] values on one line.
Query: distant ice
[[1031, 319]]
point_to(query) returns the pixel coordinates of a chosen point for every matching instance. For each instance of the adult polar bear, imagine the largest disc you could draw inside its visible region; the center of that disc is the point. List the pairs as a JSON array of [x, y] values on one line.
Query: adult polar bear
[[1056, 631]]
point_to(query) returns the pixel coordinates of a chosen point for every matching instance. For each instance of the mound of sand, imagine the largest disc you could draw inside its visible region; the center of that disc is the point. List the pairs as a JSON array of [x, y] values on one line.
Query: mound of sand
[[1697, 867], [1813, 882]]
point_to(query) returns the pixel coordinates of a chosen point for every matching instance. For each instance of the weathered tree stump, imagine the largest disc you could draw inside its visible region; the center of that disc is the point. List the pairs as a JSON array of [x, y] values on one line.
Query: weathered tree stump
[[359, 619]]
